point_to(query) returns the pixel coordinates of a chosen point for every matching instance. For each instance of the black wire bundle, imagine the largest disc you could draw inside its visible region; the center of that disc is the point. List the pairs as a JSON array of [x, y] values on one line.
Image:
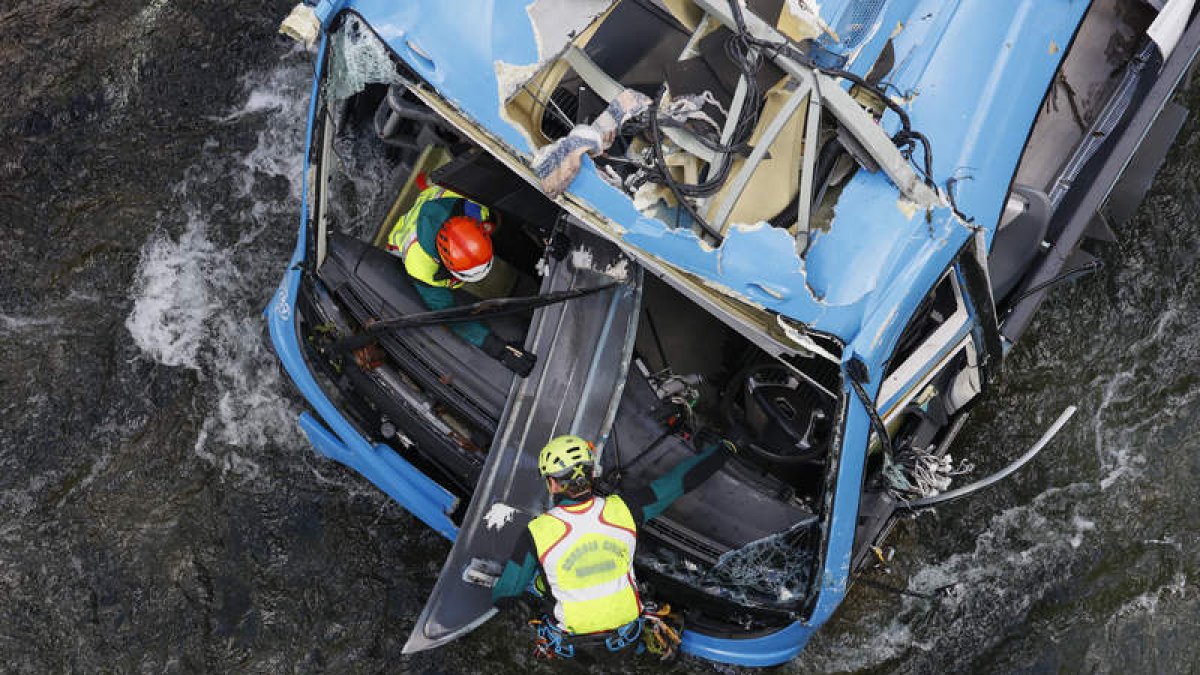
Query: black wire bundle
[[662, 173], [748, 53], [905, 138], [743, 53]]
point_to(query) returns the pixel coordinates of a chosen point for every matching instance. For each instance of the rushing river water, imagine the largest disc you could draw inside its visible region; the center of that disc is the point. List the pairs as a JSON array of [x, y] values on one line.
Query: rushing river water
[[159, 510]]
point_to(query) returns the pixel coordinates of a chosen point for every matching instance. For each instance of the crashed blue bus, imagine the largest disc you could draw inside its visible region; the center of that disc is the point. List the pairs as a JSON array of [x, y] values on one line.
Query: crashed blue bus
[[816, 229]]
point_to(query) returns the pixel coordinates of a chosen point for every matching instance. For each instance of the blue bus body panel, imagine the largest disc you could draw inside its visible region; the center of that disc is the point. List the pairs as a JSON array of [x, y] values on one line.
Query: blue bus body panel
[[1003, 94], [768, 650]]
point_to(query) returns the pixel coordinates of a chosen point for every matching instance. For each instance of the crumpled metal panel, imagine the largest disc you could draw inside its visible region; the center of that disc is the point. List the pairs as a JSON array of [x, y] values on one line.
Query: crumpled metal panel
[[977, 111], [972, 74]]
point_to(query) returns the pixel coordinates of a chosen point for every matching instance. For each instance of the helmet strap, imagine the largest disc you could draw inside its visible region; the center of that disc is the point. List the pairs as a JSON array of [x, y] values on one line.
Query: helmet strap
[[574, 488], [578, 489]]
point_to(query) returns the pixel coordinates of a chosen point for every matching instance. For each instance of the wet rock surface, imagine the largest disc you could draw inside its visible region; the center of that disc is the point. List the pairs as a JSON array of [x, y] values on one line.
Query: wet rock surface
[[159, 511]]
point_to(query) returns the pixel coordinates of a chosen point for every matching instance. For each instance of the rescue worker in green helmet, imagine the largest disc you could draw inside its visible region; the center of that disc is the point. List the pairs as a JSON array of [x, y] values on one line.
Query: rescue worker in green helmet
[[445, 240], [584, 545]]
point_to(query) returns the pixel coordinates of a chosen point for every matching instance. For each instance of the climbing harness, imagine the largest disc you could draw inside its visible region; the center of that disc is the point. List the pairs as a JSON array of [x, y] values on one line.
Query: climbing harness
[[552, 642], [624, 636]]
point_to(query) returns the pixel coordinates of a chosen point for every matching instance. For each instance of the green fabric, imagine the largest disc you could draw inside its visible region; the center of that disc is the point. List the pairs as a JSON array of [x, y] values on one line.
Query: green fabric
[[436, 298], [421, 259], [429, 221], [670, 486], [515, 578]]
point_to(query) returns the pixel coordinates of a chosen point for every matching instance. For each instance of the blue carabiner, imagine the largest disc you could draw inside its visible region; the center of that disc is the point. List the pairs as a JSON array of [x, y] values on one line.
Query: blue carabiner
[[555, 640], [625, 636]]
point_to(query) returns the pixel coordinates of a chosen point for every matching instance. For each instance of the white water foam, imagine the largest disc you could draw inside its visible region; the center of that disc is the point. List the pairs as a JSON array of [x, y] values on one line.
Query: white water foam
[[1148, 602], [861, 650], [17, 324], [1115, 458], [198, 297], [176, 295]]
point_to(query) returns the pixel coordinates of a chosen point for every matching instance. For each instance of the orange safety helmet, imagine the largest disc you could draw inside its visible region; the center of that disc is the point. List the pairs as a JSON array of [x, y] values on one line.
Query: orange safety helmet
[[465, 248]]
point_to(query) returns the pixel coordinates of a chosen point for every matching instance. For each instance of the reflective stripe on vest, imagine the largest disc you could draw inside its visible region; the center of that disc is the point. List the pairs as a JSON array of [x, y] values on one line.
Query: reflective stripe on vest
[[420, 264], [586, 551]]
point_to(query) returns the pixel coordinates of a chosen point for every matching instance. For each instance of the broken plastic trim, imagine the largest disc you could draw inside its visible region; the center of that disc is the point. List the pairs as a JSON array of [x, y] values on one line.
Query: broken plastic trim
[[798, 334]]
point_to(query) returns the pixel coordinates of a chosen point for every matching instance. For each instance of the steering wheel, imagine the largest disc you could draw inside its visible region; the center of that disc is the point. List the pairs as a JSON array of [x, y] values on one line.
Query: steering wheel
[[781, 418]]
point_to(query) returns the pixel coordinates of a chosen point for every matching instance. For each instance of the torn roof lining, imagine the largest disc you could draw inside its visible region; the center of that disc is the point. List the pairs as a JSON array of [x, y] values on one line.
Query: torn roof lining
[[807, 89], [750, 286], [748, 318], [848, 112]]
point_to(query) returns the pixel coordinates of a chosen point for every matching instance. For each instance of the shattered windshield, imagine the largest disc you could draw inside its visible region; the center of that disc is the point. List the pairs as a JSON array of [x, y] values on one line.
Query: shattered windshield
[[359, 172], [356, 58]]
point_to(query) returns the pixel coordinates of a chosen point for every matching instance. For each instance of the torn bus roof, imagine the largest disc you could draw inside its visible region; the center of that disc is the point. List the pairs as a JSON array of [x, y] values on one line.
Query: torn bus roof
[[876, 250]]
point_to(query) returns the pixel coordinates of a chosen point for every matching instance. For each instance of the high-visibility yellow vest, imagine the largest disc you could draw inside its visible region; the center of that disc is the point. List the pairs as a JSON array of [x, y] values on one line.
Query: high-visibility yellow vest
[[420, 264], [586, 552]]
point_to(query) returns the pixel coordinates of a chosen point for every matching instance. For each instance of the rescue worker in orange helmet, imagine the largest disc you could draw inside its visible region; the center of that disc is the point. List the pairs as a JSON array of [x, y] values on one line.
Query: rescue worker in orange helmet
[[583, 547], [445, 240]]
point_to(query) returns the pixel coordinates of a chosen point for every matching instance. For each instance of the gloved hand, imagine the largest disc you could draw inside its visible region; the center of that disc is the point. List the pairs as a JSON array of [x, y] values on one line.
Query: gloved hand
[[509, 355]]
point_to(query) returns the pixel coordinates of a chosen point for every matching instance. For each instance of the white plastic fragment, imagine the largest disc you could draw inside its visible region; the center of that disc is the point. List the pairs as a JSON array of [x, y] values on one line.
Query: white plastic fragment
[[618, 270], [302, 25]]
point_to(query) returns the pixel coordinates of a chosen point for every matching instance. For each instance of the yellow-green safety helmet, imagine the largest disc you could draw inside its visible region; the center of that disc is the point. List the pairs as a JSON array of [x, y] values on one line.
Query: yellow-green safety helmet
[[564, 454]]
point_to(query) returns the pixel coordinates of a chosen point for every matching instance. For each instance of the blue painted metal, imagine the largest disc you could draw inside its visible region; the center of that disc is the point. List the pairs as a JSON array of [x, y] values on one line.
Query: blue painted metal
[[972, 73], [978, 110], [861, 28], [768, 650], [415, 491], [835, 574], [327, 9]]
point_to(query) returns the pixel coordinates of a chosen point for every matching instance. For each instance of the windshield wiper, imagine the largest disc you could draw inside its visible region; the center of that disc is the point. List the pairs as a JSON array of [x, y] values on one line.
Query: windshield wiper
[[484, 309]]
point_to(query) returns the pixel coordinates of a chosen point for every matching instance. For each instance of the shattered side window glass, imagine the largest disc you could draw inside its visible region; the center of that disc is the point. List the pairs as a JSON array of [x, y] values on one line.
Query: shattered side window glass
[[779, 566], [772, 571], [356, 58]]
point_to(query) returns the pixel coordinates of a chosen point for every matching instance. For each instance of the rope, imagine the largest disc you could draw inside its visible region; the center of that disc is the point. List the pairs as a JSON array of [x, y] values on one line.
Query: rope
[[660, 637]]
